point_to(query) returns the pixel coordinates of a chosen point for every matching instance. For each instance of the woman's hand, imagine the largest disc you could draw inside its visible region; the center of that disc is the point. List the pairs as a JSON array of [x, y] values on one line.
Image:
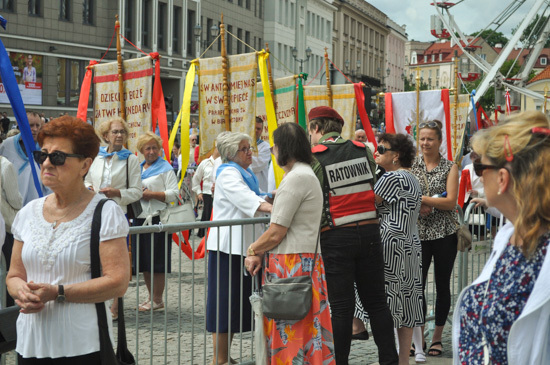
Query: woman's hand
[[110, 192], [150, 195], [480, 202], [200, 197], [253, 264], [28, 299], [265, 207], [425, 210]]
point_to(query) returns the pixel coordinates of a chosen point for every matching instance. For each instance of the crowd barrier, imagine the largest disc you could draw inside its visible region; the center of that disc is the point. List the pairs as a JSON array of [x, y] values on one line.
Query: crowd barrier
[[177, 334]]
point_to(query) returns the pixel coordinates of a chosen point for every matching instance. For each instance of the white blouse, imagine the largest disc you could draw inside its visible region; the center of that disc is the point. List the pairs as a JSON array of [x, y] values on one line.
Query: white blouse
[[62, 256], [165, 182], [233, 199]]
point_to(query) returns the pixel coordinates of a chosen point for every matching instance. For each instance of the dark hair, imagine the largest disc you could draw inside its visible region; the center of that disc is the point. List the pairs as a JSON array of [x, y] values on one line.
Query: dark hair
[[402, 144], [259, 120], [437, 128], [325, 125], [292, 144], [82, 135]]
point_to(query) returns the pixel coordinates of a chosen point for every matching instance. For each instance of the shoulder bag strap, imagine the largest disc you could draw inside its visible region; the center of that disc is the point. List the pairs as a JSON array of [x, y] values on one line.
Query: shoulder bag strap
[[127, 174], [107, 353]]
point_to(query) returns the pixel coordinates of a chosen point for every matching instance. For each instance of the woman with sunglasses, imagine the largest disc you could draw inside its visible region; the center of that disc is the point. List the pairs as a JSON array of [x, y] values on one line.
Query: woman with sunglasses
[[50, 275], [437, 224], [237, 196], [398, 198], [115, 172], [503, 316]]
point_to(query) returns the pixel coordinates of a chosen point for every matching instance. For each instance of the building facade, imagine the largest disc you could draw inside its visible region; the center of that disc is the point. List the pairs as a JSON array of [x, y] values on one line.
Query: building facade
[[359, 42], [395, 57], [299, 24]]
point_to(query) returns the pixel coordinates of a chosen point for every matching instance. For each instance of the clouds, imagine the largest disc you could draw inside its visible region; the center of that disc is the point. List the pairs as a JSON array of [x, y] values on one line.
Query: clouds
[[470, 15]]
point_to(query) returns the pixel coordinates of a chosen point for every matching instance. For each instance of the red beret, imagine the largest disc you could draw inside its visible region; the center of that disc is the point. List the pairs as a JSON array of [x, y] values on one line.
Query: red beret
[[325, 112]]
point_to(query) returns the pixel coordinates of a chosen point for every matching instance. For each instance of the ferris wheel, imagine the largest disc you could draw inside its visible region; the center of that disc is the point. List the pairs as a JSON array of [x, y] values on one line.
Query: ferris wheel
[[443, 25]]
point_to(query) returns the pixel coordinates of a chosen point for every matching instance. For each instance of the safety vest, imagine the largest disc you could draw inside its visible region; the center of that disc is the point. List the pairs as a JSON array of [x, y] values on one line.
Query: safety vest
[[348, 194]]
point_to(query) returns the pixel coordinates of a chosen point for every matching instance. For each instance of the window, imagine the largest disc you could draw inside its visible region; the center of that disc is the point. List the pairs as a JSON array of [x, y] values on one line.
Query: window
[[87, 12], [65, 10], [161, 32], [239, 43], [543, 61], [260, 45], [146, 24], [433, 58], [176, 29], [247, 41], [425, 58], [191, 21], [34, 7], [440, 57], [7, 5], [229, 40], [69, 78], [129, 12], [209, 24], [247, 4], [240, 2]]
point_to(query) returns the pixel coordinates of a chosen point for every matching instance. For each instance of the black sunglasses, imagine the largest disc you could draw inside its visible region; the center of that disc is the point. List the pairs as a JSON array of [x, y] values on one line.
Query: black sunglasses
[[428, 125], [57, 158], [479, 168], [381, 149]]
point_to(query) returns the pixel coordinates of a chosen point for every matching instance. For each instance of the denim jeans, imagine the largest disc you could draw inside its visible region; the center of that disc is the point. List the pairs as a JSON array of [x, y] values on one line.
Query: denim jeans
[[354, 254]]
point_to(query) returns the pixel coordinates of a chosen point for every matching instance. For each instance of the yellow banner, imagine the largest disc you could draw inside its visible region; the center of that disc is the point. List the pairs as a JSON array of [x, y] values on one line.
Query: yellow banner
[[138, 82], [462, 115], [284, 100], [242, 98], [343, 101]]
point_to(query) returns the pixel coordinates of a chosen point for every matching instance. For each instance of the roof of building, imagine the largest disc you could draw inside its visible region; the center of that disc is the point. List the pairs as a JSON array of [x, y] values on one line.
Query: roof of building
[[543, 75], [445, 49], [545, 53]]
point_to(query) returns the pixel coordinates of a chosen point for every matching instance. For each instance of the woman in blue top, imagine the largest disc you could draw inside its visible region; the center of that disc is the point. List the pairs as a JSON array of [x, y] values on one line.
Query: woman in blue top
[[503, 317]]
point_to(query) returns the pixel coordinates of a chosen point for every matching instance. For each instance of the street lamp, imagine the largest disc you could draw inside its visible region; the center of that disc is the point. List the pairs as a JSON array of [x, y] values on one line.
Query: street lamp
[[295, 56], [197, 32], [353, 72]]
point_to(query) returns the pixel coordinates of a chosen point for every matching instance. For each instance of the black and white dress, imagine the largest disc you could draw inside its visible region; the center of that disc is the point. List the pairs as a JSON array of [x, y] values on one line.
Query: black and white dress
[[402, 250]]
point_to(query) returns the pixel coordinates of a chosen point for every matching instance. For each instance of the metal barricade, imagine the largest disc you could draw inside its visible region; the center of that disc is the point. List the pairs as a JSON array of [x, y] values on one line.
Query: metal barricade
[[178, 333]]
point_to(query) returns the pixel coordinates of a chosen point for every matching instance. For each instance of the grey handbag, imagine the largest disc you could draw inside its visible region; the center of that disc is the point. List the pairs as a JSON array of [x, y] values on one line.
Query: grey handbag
[[288, 298]]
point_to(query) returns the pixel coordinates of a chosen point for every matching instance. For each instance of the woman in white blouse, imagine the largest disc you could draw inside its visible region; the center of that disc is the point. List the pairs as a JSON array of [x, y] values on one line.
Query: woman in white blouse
[[115, 172], [50, 275], [237, 196], [160, 188]]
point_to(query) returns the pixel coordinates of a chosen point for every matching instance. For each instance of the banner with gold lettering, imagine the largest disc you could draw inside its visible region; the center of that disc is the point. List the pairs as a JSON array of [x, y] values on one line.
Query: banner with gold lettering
[[284, 100], [462, 115], [138, 82], [243, 70], [343, 101]]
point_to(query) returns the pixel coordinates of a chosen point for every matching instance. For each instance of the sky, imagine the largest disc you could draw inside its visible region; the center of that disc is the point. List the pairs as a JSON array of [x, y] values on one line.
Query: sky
[[470, 15]]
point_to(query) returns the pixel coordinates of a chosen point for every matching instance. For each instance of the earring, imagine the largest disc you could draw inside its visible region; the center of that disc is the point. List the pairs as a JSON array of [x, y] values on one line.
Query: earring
[[499, 192], [394, 162]]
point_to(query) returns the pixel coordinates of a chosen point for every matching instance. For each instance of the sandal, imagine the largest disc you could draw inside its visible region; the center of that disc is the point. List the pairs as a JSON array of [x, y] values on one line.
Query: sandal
[[413, 349], [435, 352], [145, 307]]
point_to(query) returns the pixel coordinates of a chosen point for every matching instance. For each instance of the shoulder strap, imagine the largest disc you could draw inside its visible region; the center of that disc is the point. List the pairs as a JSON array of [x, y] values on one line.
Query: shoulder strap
[[127, 175], [107, 353]]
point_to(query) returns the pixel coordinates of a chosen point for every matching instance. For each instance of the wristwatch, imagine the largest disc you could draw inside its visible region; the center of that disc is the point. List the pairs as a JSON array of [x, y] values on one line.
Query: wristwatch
[[250, 252], [60, 294]]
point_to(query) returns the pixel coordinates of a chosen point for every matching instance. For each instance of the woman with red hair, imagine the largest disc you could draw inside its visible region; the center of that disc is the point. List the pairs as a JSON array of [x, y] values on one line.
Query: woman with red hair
[[50, 274]]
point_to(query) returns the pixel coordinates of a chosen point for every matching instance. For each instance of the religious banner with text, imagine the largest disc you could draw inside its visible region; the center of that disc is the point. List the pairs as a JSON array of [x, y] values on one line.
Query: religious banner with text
[[343, 101], [284, 100], [457, 133], [243, 69], [138, 82]]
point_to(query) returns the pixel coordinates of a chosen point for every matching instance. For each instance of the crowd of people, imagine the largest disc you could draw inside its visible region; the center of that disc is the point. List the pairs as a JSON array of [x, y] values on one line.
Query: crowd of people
[[364, 223]]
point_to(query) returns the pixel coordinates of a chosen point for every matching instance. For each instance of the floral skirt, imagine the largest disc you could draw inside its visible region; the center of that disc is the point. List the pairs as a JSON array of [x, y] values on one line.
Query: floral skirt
[[309, 340]]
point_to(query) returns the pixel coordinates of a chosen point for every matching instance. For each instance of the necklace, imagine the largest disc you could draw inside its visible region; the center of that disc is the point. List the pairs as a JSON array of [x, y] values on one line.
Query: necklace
[[54, 224]]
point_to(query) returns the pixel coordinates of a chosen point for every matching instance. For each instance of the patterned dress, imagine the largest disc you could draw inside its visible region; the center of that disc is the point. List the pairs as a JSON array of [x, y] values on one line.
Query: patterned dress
[[402, 251], [491, 314], [309, 340]]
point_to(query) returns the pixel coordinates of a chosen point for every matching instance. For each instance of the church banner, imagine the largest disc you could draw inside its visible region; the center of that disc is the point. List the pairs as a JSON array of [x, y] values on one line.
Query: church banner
[[343, 101], [138, 82], [284, 100], [462, 117], [243, 71]]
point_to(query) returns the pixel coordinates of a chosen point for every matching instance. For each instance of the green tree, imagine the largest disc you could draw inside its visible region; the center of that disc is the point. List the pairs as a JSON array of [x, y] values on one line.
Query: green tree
[[491, 37], [507, 65], [529, 37]]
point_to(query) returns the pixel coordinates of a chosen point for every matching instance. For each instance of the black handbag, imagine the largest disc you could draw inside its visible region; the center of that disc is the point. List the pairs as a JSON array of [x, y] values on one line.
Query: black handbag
[[8, 332], [134, 209], [107, 354], [288, 298]]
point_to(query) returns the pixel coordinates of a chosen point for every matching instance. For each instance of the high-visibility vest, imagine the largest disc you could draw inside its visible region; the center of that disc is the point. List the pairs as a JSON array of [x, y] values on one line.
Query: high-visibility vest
[[348, 195]]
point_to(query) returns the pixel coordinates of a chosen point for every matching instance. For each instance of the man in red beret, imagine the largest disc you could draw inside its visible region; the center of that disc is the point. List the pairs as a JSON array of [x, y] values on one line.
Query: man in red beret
[[350, 234]]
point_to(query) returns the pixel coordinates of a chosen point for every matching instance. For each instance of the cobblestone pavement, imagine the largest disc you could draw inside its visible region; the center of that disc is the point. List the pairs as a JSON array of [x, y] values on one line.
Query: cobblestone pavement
[[176, 335]]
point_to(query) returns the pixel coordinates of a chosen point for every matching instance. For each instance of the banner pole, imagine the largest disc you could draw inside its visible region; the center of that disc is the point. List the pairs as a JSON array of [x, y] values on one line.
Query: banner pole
[[270, 72], [225, 72], [327, 76], [417, 110], [457, 91], [120, 71]]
